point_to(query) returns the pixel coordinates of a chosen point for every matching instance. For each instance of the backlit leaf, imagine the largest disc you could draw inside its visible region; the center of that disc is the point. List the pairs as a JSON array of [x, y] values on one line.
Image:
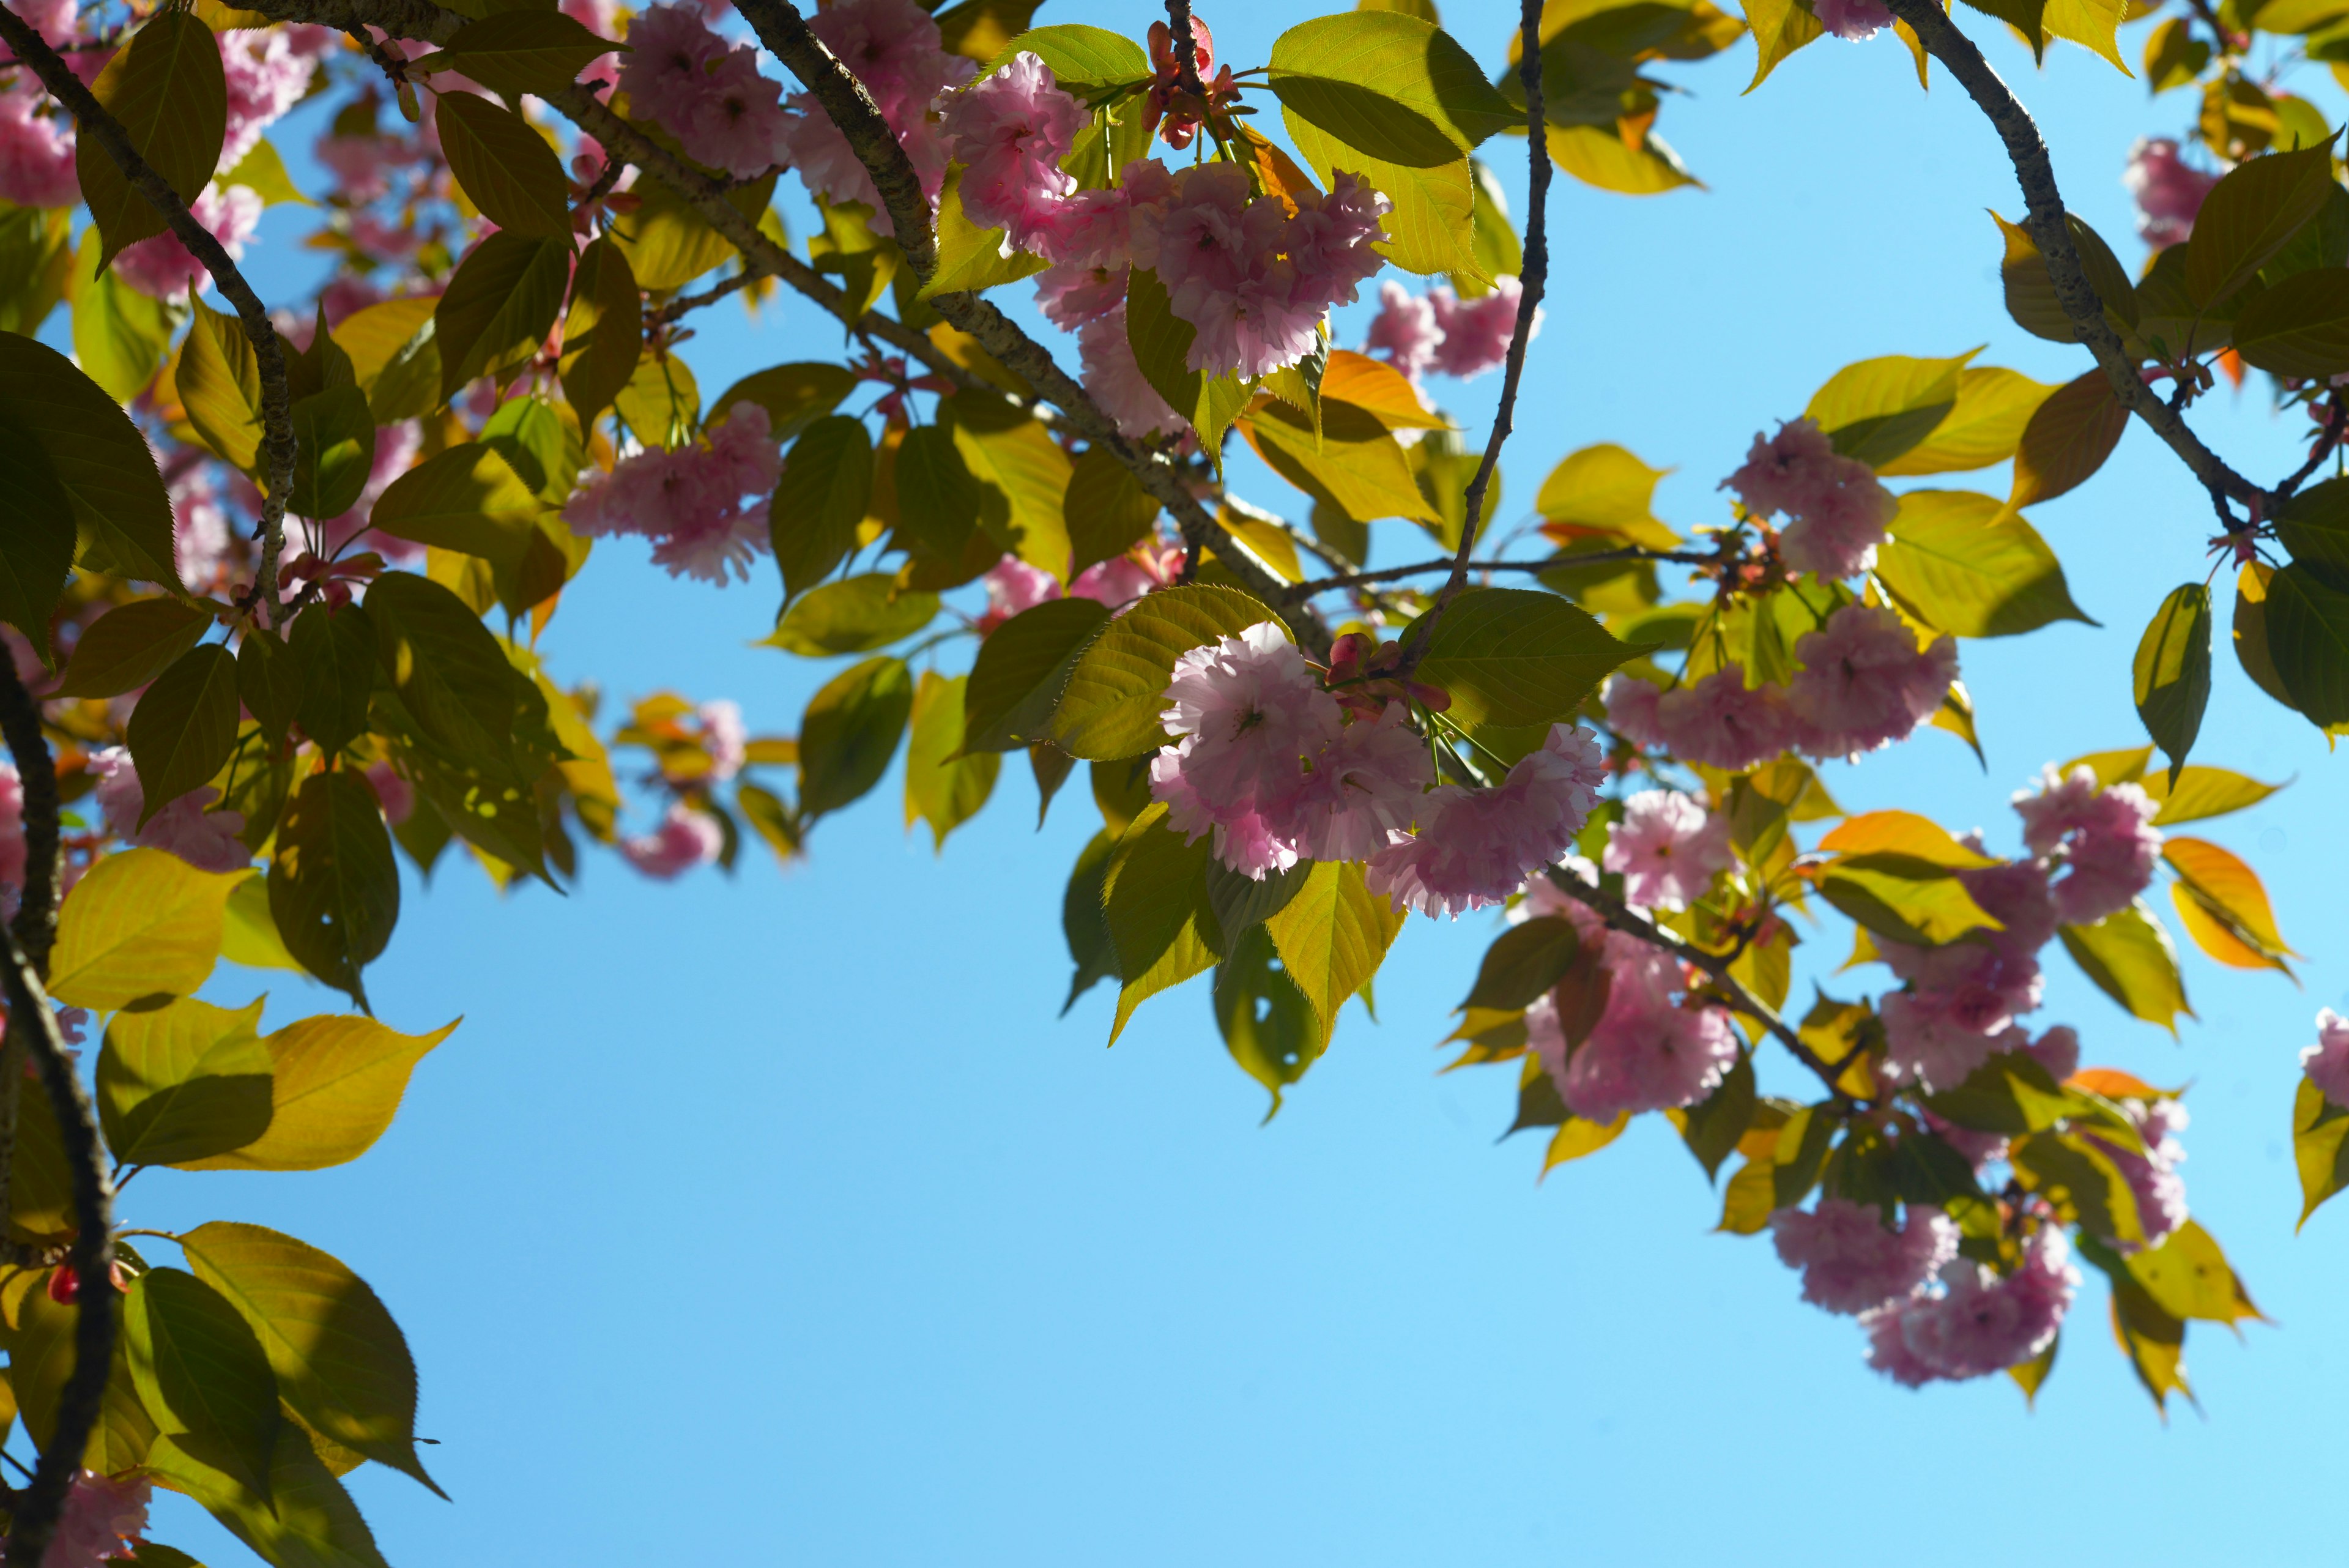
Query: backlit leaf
[[851, 730], [2249, 216], [183, 1082], [200, 1370], [515, 52], [1156, 904], [334, 888], [1331, 936], [2224, 906], [1109, 707], [1393, 86], [1993, 408], [1515, 657], [2202, 792], [944, 787], [2171, 674], [1962, 564], [2130, 957], [505, 166], [499, 306], [2069, 438], [603, 336], [1022, 670], [141, 923], [307, 1521], [168, 92], [59, 431], [1878, 410], [340, 1078], [131, 645], [826, 484], [1356, 464]]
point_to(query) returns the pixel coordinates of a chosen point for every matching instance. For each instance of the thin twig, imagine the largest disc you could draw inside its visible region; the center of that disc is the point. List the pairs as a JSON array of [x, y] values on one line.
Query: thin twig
[[2044, 219], [1532, 278], [2327, 440], [684, 303], [277, 399], [1554, 563]]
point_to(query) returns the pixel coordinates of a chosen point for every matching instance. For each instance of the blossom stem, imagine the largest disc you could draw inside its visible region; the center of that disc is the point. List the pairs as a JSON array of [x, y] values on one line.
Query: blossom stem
[[277, 398]]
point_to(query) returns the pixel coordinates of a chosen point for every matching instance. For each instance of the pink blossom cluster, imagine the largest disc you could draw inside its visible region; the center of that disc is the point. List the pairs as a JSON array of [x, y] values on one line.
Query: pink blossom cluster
[[37, 147], [393, 792], [707, 92], [2103, 838], [205, 839], [1010, 131], [1853, 20], [690, 501], [1474, 847], [12, 839], [103, 1519], [1963, 997], [1667, 848], [2169, 191], [267, 70], [1439, 331], [1837, 509], [164, 268], [893, 47], [685, 838], [1271, 764], [1978, 1321], [1853, 1261], [1013, 586], [201, 540], [1864, 683], [2326, 1063], [1650, 1050], [2152, 1174]]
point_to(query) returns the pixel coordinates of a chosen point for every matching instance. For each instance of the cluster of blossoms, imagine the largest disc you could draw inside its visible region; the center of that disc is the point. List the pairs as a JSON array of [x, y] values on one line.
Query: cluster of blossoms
[[102, 1521], [1864, 683], [1281, 770], [1650, 1049], [2167, 191], [892, 47], [717, 746], [1837, 509], [708, 92], [685, 838], [2326, 1063], [1856, 21], [205, 839], [1013, 586], [1441, 332], [689, 500]]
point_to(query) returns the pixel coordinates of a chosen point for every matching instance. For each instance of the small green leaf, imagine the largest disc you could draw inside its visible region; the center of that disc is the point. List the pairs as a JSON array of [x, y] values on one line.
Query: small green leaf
[[1393, 86], [1083, 922], [1155, 898], [59, 431], [141, 923], [856, 614], [333, 443], [946, 784], [1084, 59], [2319, 1146], [1524, 963], [334, 888], [166, 91], [1993, 409], [2130, 957], [851, 730], [131, 645], [1267, 1024], [604, 335], [971, 259], [2068, 439], [2202, 792], [499, 306], [339, 1080], [1354, 464], [334, 654], [1331, 936], [2250, 215], [1023, 670], [2306, 623], [794, 396], [1878, 410], [1105, 510], [2299, 327], [200, 1370], [505, 166], [467, 498], [826, 485], [184, 727], [307, 1520], [219, 383], [1961, 562], [1513, 657], [2171, 675]]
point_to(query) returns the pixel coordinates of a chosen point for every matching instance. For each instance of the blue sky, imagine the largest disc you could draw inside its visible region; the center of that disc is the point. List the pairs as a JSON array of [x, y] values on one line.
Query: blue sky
[[780, 1218]]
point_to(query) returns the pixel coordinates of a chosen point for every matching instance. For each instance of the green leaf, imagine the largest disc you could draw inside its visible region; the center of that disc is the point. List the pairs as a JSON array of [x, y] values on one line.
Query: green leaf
[[60, 432], [971, 259], [604, 335], [1023, 670], [1878, 410], [339, 1358], [1162, 342], [2031, 291], [1994, 407], [826, 485], [250, 936], [1713, 1125], [2306, 623], [2130, 957], [2126, 765], [1607, 490], [2188, 1277], [2171, 675], [338, 1081], [2300, 326], [661, 403], [1104, 510], [200, 1370], [219, 382], [1524, 963], [1154, 897], [851, 730], [2250, 215], [499, 306], [1492, 240], [120, 336], [1514, 657], [1354, 464], [131, 645], [262, 171], [2077, 1174], [505, 166], [395, 355], [1082, 921], [2068, 439], [141, 923], [794, 396], [450, 673], [334, 654], [669, 244], [184, 727], [1961, 562], [2224, 906], [1599, 156], [37, 265], [307, 1521], [2202, 792], [978, 29], [183, 1082], [41, 1356], [516, 52], [1779, 29], [1022, 477], [1433, 227], [2013, 1093], [1393, 86], [1267, 1024], [1110, 707], [168, 92], [1903, 898], [2314, 526], [334, 888], [937, 497], [856, 614], [1084, 60], [1331, 936], [946, 784], [333, 437], [2319, 1147], [466, 498]]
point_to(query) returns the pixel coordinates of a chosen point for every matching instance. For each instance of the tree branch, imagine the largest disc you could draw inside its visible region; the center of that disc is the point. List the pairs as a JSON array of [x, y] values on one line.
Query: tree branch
[[2326, 440], [2044, 218], [276, 401], [1557, 562], [33, 1024]]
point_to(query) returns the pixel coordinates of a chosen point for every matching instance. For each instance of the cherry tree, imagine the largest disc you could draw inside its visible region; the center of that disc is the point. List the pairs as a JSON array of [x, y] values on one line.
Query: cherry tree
[[281, 584]]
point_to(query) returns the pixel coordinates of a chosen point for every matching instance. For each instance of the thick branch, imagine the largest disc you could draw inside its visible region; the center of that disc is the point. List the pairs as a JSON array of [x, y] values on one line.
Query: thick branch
[[1533, 276], [2044, 219], [276, 401], [1621, 917]]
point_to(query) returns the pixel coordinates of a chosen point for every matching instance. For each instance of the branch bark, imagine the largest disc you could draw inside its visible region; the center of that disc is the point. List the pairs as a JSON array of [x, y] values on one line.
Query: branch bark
[[1561, 562], [2044, 218], [277, 398]]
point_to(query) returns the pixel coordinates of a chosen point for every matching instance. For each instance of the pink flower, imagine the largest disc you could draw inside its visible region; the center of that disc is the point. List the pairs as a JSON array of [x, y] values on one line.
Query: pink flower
[[361, 164], [36, 150], [1475, 847], [1405, 330], [12, 839], [102, 1519], [1864, 683], [55, 20], [1116, 382], [1362, 791], [1070, 296], [2152, 1177], [690, 501], [723, 737], [1329, 238], [202, 540], [2058, 1051], [2167, 191], [1981, 1322], [1838, 509], [1013, 586], [1476, 332], [893, 47], [601, 17], [1644, 1053], [1010, 131], [205, 839], [1633, 707], [1249, 712], [2106, 838], [393, 791], [1667, 847], [705, 92], [686, 838], [1783, 473], [2326, 1063], [1116, 582], [1852, 1261], [1721, 722], [1856, 20], [164, 268], [1930, 1041], [267, 76]]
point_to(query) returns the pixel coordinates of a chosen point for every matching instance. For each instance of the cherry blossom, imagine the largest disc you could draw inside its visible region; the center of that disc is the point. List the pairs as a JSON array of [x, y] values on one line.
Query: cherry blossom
[[102, 1519], [704, 91], [1250, 711], [1864, 683], [2167, 191], [2105, 837], [1981, 1322], [1070, 296], [690, 501], [1667, 848], [164, 268], [1474, 847], [12, 839], [1115, 380], [2152, 1176], [893, 47], [37, 148], [1361, 789], [392, 791], [266, 74], [1476, 332], [1645, 1053], [1853, 1261], [686, 838], [723, 737], [1009, 130], [1632, 710], [1723, 723], [1404, 331], [205, 839], [2326, 1063], [1855, 20], [1837, 508]]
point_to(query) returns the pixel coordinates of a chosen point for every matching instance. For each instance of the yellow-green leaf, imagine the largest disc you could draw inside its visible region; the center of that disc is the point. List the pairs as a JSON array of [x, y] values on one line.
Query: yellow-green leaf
[[338, 1081], [168, 92], [183, 1082], [142, 923], [2130, 957]]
